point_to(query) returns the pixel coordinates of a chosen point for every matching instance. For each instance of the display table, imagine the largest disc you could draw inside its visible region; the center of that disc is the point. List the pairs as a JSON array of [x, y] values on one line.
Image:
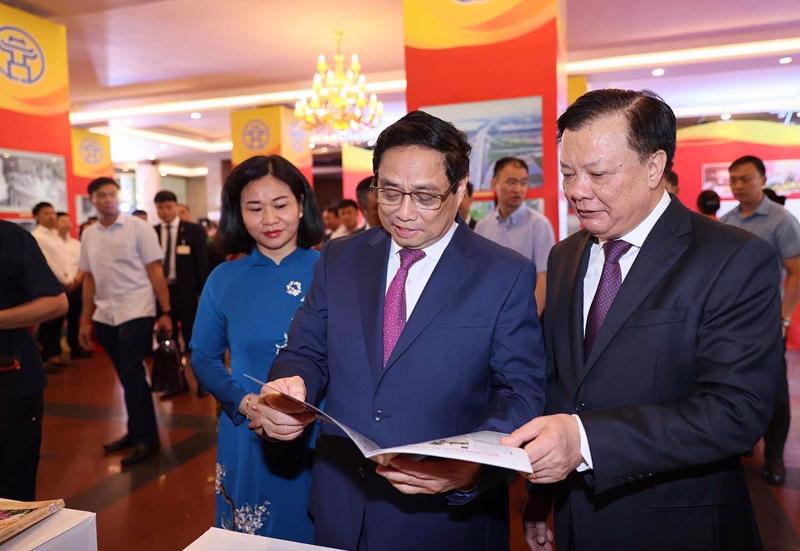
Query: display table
[[64, 530], [216, 539]]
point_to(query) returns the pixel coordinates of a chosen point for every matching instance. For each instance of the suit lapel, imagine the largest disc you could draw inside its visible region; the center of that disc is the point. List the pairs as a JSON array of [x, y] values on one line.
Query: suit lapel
[[576, 270], [371, 290], [667, 241], [447, 278]]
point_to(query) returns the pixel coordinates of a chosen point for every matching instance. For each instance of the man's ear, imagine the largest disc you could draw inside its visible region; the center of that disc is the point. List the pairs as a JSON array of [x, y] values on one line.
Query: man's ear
[[655, 168]]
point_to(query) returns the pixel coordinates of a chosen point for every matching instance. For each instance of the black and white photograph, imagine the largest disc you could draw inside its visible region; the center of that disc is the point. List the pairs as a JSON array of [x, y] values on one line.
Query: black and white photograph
[[27, 178]]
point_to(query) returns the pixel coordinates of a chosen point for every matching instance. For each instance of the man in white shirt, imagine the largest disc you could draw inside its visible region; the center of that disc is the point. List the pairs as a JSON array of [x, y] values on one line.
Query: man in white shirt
[[122, 261], [46, 235], [662, 329], [72, 254]]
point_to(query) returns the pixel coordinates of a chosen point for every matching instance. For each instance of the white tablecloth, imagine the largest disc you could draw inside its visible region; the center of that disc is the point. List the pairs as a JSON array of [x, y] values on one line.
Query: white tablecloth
[[216, 539], [65, 530]]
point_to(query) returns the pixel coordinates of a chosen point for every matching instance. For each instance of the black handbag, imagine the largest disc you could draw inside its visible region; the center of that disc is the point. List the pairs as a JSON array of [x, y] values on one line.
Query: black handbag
[[168, 375]]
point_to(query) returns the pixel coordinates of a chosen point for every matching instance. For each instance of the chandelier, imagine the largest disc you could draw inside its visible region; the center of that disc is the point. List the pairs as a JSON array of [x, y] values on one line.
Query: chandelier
[[338, 103]]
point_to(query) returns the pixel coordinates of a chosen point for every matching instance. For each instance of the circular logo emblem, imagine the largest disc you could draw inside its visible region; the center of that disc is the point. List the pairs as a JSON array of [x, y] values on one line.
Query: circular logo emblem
[[91, 152], [21, 57], [255, 135]]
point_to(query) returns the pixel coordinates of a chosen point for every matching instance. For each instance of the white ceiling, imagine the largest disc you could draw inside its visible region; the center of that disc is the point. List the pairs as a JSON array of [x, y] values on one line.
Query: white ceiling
[[126, 52]]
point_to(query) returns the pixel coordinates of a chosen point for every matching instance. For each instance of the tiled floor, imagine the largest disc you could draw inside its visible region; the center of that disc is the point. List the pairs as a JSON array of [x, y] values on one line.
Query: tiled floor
[[168, 502]]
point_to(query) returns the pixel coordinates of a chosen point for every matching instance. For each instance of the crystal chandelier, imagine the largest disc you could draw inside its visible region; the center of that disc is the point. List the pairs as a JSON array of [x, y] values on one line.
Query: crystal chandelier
[[338, 103]]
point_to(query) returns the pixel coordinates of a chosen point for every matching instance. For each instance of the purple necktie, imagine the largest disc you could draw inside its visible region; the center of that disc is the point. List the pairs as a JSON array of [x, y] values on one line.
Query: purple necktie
[[394, 306], [607, 288]]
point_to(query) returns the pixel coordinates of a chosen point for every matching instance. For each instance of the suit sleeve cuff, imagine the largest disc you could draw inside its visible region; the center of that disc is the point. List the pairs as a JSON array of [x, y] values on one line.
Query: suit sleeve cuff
[[586, 453]]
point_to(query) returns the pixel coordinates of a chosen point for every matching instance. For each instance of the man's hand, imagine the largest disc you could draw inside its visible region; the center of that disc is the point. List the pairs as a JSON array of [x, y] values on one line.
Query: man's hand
[[164, 325], [537, 535], [429, 476], [279, 418], [553, 446], [85, 335]]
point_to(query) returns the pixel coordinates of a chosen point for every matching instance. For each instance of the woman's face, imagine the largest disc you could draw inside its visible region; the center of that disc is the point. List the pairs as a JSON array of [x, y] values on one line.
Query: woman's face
[[271, 214]]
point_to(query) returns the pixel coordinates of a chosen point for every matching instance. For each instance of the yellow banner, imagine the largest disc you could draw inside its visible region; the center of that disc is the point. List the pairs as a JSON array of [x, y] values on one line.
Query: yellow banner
[[294, 141], [255, 132], [440, 24], [758, 132], [34, 77], [91, 154]]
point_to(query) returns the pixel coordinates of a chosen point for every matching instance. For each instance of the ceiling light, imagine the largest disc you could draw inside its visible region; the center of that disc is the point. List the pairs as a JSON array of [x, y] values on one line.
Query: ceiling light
[[196, 115], [208, 147], [185, 171], [725, 116], [229, 102], [785, 60], [163, 146], [658, 72], [690, 55], [151, 157], [119, 123]]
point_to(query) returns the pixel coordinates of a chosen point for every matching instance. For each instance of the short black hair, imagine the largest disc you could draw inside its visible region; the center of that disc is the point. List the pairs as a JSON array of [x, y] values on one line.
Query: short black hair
[[233, 235], [362, 190], [708, 202], [39, 206], [165, 196], [346, 203], [774, 197], [750, 159], [470, 189], [671, 177], [61, 213], [333, 210], [651, 122], [97, 183], [502, 162], [424, 130], [138, 212]]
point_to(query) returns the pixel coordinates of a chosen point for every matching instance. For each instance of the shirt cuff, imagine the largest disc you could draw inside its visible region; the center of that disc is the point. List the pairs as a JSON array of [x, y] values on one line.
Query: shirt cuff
[[586, 453]]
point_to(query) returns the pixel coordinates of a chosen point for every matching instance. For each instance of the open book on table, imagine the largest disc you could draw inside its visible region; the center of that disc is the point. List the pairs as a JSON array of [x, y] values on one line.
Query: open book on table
[[477, 447], [16, 516]]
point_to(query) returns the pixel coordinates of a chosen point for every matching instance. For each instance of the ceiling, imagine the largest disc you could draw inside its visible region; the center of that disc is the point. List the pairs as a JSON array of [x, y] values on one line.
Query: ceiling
[[135, 52]]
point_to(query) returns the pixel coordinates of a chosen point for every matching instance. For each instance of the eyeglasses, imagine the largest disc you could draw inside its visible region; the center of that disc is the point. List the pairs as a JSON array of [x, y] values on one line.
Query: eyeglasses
[[422, 199]]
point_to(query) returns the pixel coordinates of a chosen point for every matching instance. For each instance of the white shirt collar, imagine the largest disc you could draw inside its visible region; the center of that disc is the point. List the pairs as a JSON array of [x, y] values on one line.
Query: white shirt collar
[[433, 252], [637, 235]]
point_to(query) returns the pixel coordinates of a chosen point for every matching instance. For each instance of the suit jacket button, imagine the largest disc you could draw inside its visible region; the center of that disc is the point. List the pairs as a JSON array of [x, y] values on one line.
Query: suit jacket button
[[378, 416], [580, 406]]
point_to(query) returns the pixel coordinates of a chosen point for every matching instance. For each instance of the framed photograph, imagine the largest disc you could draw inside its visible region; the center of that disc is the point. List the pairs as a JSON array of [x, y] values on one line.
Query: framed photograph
[[496, 129], [83, 208], [28, 178]]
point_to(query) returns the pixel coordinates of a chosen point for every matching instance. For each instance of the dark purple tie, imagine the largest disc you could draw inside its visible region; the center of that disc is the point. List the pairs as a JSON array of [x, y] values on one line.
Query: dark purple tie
[[607, 288], [394, 305]]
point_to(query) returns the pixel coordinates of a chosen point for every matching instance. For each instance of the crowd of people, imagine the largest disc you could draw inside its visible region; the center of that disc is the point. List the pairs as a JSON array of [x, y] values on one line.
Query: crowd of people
[[634, 361]]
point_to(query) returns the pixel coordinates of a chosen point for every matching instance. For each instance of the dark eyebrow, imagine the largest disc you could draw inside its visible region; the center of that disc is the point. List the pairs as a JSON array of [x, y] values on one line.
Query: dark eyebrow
[[425, 188], [279, 198]]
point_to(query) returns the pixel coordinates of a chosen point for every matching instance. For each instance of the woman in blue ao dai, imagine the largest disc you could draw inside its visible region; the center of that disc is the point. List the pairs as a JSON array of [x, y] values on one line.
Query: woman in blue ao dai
[[268, 213]]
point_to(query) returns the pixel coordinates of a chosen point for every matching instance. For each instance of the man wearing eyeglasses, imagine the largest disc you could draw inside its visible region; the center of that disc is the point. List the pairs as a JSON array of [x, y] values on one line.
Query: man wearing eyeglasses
[[515, 225], [416, 330], [774, 224]]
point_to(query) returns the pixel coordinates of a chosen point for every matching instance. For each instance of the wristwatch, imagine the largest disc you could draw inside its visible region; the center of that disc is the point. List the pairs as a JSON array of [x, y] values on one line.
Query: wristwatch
[[786, 322], [165, 313]]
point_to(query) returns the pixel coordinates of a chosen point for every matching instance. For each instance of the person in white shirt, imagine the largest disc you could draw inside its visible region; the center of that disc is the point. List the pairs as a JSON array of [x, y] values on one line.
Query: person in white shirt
[[72, 254], [122, 261], [46, 235]]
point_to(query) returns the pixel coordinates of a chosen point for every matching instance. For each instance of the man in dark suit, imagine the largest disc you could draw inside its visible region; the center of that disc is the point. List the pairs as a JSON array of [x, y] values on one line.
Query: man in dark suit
[[416, 330], [465, 206], [185, 266], [662, 331]]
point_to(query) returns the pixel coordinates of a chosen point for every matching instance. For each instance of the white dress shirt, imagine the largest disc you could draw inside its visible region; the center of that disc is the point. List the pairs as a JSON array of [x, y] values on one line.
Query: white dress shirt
[[174, 231], [420, 272], [54, 250], [72, 250], [117, 257], [636, 237]]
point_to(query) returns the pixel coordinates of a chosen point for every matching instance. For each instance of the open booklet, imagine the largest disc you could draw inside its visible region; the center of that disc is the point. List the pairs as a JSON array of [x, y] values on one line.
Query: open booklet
[[16, 516], [477, 447]]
